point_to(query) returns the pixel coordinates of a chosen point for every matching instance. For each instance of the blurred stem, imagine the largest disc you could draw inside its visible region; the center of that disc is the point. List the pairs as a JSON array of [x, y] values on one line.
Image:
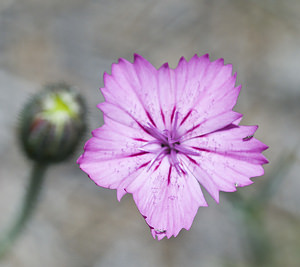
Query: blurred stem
[[257, 236], [28, 205], [251, 212], [254, 230]]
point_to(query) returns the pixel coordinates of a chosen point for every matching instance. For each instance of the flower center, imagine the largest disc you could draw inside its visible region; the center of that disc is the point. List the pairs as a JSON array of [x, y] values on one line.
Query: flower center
[[170, 146], [167, 143], [163, 145]]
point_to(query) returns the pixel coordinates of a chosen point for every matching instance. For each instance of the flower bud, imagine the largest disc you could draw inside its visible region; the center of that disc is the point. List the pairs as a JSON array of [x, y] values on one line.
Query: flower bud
[[52, 123]]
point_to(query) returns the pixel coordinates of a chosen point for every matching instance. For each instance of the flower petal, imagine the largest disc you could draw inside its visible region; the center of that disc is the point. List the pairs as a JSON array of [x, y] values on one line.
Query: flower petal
[[149, 91], [133, 88], [167, 200], [112, 157], [236, 140], [194, 129], [187, 81], [200, 82], [167, 95], [227, 158]]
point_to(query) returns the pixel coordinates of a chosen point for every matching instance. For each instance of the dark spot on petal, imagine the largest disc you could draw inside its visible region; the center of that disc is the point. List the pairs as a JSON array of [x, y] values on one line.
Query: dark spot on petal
[[192, 160], [150, 118], [163, 116], [143, 127], [138, 154], [144, 164], [193, 128], [228, 127], [156, 167], [186, 116], [173, 113], [165, 65], [201, 149], [140, 139], [160, 231], [169, 175], [247, 138]]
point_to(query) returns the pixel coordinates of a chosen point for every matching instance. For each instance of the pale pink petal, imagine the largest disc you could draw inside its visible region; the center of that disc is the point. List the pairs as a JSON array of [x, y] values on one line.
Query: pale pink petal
[[218, 173], [167, 95], [168, 205], [242, 170], [120, 88], [207, 125], [148, 91], [111, 157], [200, 83], [133, 88], [187, 81], [237, 122], [213, 94], [118, 114], [236, 140], [227, 158]]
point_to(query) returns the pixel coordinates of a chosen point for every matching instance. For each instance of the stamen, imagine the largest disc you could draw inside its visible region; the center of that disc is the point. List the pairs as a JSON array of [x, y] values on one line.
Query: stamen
[[184, 150], [174, 161], [162, 150], [175, 125], [173, 157], [155, 133], [149, 146], [178, 168], [167, 143]]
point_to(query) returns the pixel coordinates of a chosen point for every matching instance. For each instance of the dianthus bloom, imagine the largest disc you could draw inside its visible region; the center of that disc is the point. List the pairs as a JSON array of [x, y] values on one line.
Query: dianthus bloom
[[168, 130]]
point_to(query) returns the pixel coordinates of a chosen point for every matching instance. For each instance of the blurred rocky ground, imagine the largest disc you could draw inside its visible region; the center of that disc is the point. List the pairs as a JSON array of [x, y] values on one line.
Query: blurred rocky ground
[[81, 225]]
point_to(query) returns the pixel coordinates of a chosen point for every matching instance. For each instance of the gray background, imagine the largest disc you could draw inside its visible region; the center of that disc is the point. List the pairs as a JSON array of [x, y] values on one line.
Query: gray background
[[79, 224]]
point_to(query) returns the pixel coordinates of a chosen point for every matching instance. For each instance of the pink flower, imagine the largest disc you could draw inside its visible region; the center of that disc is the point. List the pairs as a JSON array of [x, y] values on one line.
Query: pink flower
[[165, 132]]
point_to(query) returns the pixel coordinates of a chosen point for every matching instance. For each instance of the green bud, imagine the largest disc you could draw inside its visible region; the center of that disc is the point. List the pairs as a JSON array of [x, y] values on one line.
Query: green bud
[[52, 124]]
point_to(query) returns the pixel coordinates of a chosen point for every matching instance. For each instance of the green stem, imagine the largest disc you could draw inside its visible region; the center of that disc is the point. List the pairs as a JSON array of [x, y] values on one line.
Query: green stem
[[258, 239], [250, 213], [28, 205]]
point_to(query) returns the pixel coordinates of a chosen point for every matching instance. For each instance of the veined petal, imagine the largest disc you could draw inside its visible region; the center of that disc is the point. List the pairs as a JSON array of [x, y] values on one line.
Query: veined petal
[[220, 173], [116, 113], [207, 125], [133, 87], [111, 159], [188, 85], [119, 90], [149, 95], [168, 205], [114, 129], [108, 173], [237, 140], [217, 172], [226, 159], [167, 95]]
